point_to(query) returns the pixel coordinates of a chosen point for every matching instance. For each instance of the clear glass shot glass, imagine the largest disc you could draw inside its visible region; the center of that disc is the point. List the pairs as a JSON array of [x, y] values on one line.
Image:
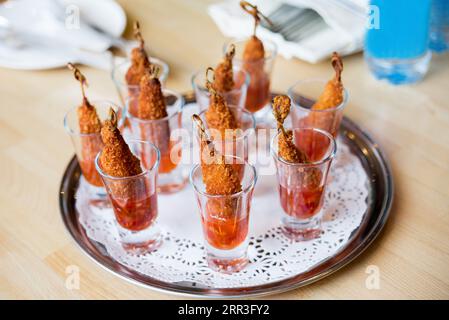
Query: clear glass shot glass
[[303, 95], [225, 219], [258, 96], [237, 142], [134, 200], [302, 186], [236, 96], [87, 147], [118, 73], [164, 134]]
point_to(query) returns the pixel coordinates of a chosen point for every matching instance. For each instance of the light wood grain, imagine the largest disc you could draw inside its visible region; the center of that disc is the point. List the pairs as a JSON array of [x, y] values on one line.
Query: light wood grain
[[410, 123]]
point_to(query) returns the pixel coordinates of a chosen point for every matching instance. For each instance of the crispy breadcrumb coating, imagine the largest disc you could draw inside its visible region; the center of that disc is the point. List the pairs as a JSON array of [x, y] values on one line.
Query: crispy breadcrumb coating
[[219, 177], [286, 147], [332, 95], [139, 64], [91, 143], [116, 159], [151, 105], [254, 63], [140, 61], [224, 75], [218, 115], [89, 126], [254, 50], [311, 177], [88, 119]]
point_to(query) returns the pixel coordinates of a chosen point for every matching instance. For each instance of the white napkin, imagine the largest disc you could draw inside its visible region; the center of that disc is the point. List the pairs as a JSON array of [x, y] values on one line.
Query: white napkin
[[43, 34], [49, 18], [344, 33]]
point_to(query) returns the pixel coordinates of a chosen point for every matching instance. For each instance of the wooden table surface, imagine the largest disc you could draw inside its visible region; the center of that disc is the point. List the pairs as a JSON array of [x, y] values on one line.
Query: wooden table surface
[[409, 122]]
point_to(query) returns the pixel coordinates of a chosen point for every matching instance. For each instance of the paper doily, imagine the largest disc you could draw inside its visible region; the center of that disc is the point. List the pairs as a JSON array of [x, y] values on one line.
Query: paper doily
[[273, 257]]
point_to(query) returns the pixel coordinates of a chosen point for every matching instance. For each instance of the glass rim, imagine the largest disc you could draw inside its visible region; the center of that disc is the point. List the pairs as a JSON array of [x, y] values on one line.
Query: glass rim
[[144, 172], [328, 158], [247, 132], [178, 105], [234, 195], [324, 82], [71, 132], [273, 48], [165, 69], [196, 74]]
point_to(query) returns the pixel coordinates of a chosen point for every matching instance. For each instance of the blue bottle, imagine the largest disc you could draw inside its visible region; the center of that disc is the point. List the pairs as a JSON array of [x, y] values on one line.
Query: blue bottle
[[397, 43], [439, 26]]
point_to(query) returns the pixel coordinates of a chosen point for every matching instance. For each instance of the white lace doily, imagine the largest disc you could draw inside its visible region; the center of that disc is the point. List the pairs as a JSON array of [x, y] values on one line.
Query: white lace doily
[[272, 256]]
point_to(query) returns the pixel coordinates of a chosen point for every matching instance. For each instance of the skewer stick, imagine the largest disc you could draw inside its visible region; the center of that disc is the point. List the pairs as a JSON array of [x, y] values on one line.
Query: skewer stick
[[254, 11], [78, 76]]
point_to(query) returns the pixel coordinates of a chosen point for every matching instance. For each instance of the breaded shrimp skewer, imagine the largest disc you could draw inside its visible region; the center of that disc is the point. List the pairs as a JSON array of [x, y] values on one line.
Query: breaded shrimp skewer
[[89, 127], [218, 115], [286, 148]]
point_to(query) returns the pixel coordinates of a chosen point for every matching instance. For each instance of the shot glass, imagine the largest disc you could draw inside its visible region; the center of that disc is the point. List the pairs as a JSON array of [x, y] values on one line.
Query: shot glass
[[235, 142], [236, 96], [258, 95], [164, 134], [225, 219], [134, 200], [87, 147], [118, 73], [303, 95], [302, 186]]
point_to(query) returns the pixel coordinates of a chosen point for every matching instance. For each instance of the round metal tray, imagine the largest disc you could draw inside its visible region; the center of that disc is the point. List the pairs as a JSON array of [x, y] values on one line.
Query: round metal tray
[[379, 204]]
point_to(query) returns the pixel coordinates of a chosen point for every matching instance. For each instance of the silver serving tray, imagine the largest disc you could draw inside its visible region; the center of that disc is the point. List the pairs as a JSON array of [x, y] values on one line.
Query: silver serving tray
[[379, 203]]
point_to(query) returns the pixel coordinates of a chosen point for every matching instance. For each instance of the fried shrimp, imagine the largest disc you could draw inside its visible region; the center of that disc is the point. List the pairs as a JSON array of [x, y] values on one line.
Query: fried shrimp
[[332, 95], [218, 115], [224, 75], [286, 148], [140, 61], [219, 177], [254, 63], [116, 159], [89, 127]]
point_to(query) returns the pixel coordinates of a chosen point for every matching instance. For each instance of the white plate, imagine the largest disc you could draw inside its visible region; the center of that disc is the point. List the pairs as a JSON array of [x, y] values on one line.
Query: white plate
[[107, 15]]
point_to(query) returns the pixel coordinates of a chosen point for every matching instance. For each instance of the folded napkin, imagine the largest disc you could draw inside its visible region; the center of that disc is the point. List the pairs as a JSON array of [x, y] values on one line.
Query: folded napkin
[[47, 34], [306, 29]]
